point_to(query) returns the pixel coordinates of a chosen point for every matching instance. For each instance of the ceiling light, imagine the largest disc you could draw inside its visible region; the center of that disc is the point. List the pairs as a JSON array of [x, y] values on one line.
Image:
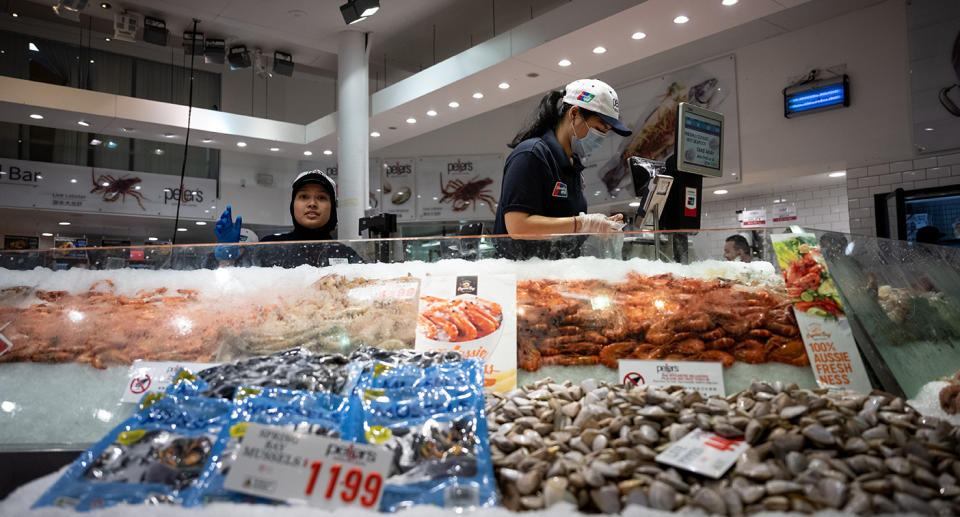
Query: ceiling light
[[720, 192], [15, 15], [83, 123], [308, 153], [679, 20], [274, 149], [639, 35], [367, 8], [375, 134], [105, 184], [73, 180], [241, 144], [107, 40], [136, 187], [411, 120], [728, 3], [599, 50], [151, 239], [838, 174], [283, 63], [91, 61], [327, 152], [127, 129], [104, 5], [432, 113], [503, 86], [64, 223], [181, 229], [32, 47], [634, 204], [478, 95], [201, 223], [95, 142], [928, 129], [158, 152], [169, 135], [207, 140], [454, 104], [111, 144], [239, 57], [564, 62], [36, 116], [46, 234]]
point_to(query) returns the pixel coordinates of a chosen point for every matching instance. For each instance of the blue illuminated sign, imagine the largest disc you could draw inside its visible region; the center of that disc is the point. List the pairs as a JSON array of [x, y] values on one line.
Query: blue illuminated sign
[[817, 98]]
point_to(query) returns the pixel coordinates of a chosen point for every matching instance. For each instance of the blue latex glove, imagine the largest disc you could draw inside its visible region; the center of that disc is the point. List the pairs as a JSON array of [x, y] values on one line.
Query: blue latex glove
[[227, 230]]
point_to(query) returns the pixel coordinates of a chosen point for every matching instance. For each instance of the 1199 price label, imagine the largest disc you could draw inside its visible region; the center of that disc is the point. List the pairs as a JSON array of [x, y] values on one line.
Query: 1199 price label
[[315, 470]]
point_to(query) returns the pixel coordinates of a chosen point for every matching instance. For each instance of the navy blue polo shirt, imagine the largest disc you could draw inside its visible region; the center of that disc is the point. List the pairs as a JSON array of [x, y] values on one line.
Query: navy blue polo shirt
[[539, 179]]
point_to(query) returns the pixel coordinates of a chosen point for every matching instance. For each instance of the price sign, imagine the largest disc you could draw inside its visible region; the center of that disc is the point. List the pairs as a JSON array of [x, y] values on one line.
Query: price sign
[[313, 470], [703, 452]]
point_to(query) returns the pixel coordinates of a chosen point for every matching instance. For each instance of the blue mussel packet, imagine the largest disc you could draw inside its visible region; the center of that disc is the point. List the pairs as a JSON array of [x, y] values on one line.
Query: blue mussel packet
[[306, 412], [433, 421], [155, 456]]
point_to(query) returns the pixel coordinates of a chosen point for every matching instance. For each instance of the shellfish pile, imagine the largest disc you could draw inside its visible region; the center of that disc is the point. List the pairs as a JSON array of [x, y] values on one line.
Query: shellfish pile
[[594, 444], [584, 322]]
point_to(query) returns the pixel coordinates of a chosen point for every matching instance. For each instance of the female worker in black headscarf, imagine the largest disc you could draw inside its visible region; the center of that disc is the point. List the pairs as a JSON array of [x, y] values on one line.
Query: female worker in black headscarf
[[313, 208]]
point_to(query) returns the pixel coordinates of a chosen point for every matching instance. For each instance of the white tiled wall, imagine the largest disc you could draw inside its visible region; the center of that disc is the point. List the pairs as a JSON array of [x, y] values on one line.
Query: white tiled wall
[[864, 182], [819, 208]]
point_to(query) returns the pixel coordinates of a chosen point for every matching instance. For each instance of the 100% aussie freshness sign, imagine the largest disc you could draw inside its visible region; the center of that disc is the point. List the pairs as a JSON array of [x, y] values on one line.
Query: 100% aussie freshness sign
[[319, 471]]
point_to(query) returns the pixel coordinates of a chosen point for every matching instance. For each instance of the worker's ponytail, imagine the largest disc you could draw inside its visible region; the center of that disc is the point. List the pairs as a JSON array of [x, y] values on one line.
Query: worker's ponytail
[[547, 116]]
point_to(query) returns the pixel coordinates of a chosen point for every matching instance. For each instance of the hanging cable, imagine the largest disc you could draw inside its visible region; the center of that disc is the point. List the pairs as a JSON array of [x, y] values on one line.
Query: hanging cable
[[186, 141]]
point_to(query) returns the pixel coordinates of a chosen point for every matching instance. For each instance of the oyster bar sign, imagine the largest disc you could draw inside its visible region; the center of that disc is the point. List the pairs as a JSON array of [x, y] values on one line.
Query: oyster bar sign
[[53, 186]]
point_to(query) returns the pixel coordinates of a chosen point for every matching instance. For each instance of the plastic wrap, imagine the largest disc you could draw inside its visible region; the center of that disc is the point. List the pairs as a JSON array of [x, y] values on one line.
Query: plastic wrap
[[433, 421], [320, 414], [155, 456]]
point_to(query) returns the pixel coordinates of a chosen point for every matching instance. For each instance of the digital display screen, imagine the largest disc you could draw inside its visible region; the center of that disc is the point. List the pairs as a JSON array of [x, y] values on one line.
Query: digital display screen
[[701, 141], [817, 98]]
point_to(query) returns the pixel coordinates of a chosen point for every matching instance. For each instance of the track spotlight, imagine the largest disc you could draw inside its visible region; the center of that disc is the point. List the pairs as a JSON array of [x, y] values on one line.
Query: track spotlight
[[357, 10], [239, 57], [214, 51], [69, 9], [155, 31], [192, 43], [282, 63]]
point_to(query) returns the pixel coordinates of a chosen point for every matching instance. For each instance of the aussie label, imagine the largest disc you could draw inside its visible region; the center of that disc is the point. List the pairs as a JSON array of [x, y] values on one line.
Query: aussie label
[[704, 453], [702, 376], [824, 327], [690, 201], [314, 470]]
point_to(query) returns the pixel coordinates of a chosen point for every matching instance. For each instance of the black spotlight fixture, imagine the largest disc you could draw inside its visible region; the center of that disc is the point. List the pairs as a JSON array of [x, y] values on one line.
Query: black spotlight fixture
[[192, 43], [239, 57], [358, 10], [282, 63], [155, 31], [214, 51]]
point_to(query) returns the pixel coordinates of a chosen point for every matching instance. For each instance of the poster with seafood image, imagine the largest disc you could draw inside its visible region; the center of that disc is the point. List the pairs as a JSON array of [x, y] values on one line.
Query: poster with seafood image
[[459, 187], [649, 108], [824, 327], [398, 188], [475, 315]]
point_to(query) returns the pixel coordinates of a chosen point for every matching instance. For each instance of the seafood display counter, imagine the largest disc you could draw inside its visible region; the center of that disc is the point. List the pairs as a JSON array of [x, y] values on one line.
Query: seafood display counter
[[72, 339]]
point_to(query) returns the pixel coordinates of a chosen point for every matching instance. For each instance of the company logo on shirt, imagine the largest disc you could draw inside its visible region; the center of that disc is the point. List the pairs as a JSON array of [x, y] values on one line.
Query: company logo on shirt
[[586, 96], [560, 189]]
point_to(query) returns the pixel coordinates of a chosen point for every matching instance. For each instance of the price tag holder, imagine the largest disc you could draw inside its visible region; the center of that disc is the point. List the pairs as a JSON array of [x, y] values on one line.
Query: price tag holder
[[306, 469], [704, 453]]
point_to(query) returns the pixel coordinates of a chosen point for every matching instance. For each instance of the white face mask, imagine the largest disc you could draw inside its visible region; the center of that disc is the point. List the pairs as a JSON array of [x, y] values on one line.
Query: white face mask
[[582, 147]]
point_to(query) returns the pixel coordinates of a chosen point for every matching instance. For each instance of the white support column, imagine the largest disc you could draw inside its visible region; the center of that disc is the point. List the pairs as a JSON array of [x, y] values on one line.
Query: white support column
[[353, 123]]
